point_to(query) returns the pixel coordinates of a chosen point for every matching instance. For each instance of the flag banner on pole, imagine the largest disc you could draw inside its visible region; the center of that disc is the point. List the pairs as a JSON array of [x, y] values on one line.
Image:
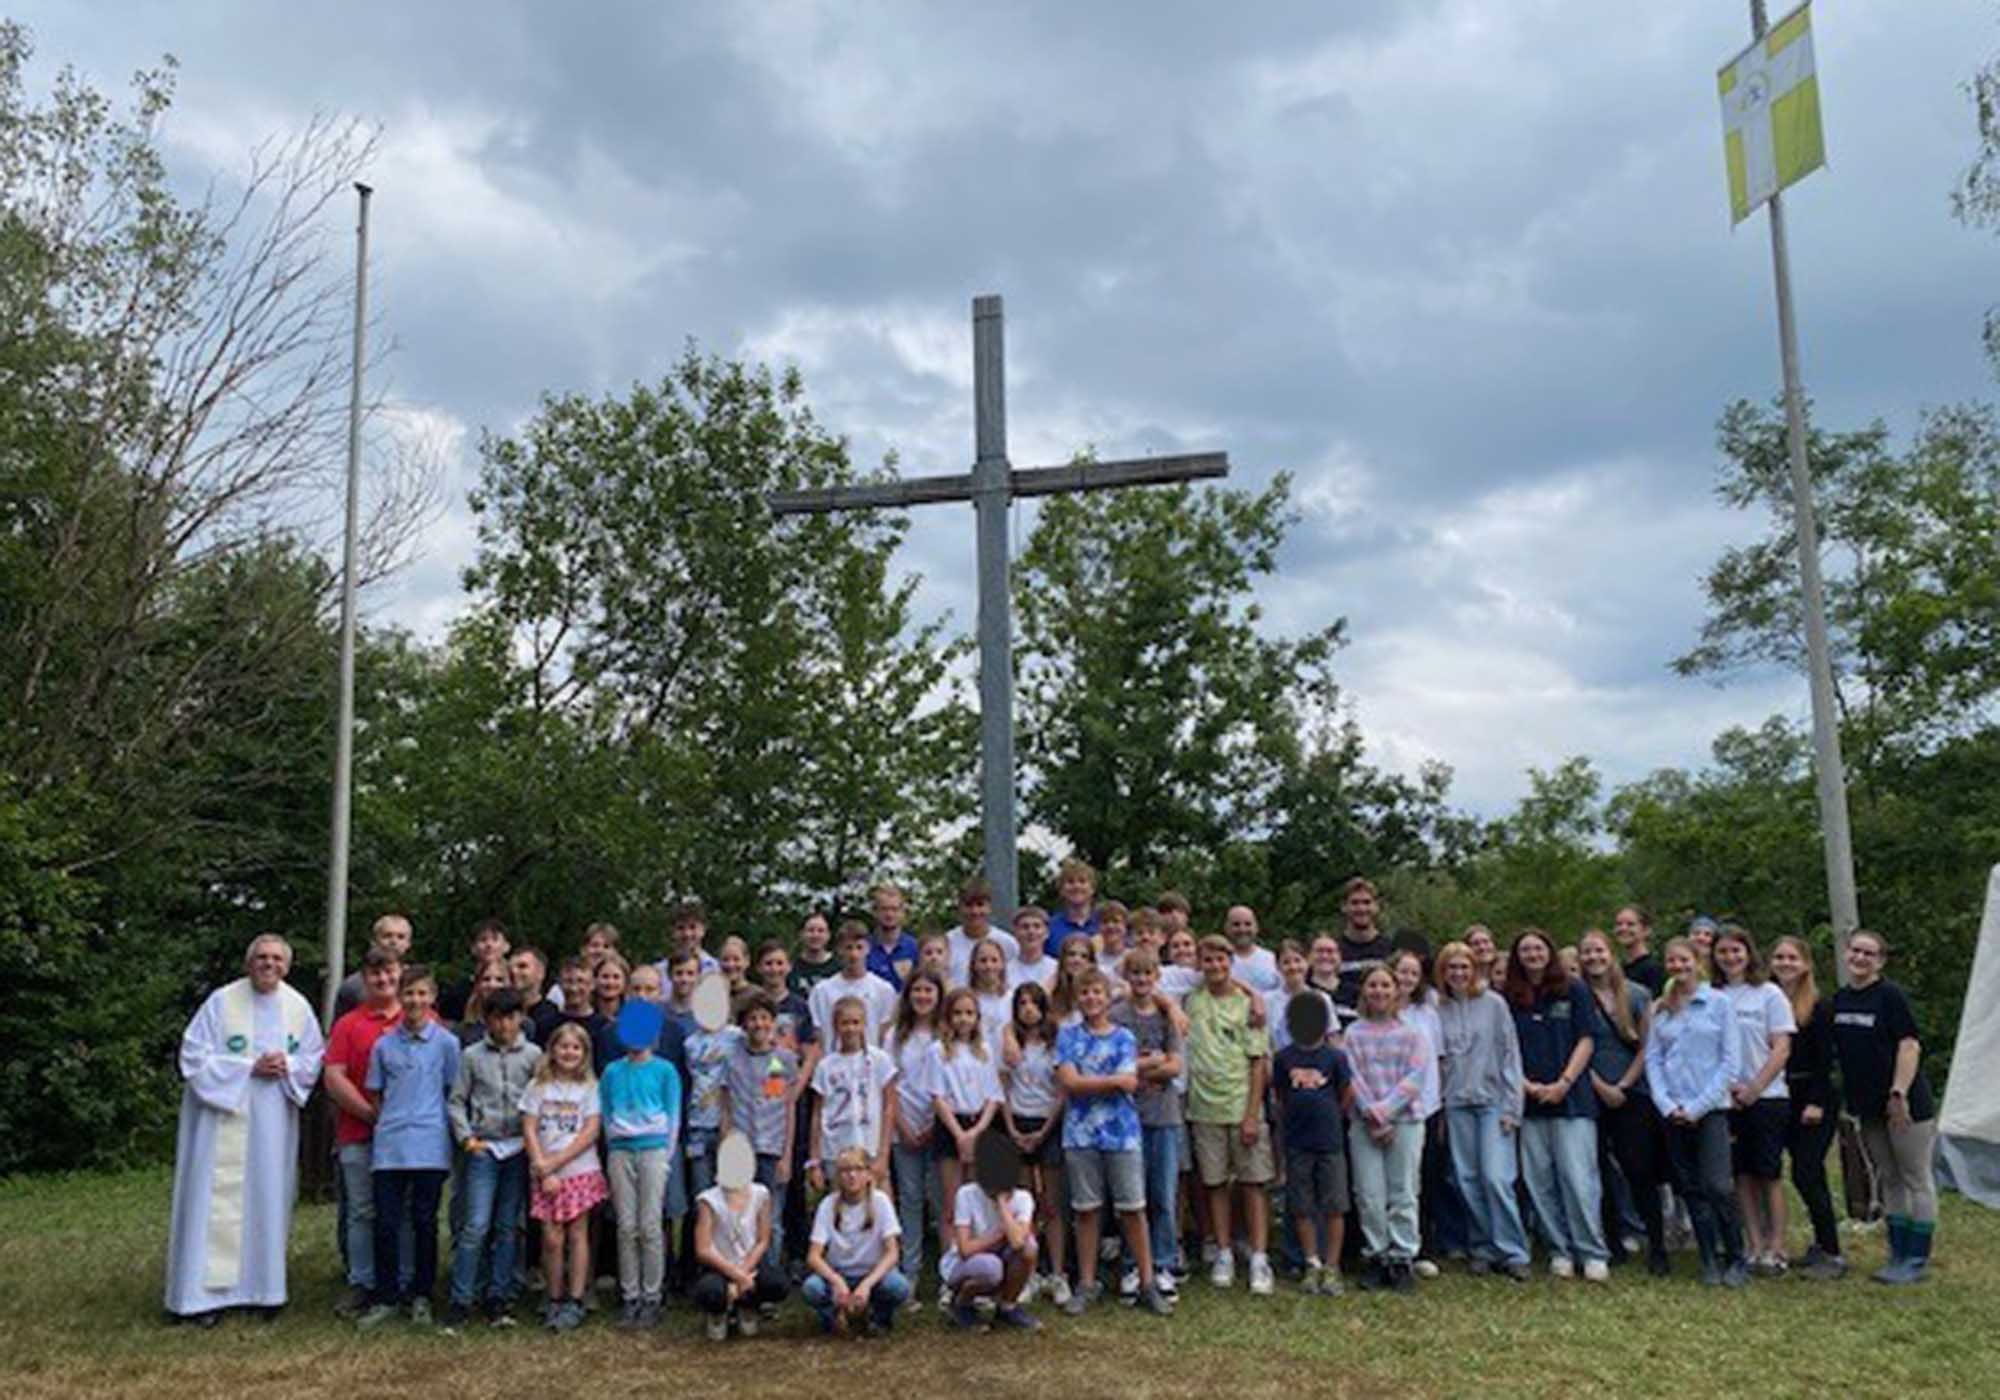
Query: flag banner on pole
[[1771, 134]]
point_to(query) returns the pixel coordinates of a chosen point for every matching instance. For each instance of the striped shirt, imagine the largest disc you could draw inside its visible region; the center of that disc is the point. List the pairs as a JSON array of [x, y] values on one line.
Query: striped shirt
[[1387, 1058]]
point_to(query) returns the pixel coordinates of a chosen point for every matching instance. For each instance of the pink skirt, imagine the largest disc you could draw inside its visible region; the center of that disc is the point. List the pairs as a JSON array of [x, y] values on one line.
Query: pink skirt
[[573, 1196]]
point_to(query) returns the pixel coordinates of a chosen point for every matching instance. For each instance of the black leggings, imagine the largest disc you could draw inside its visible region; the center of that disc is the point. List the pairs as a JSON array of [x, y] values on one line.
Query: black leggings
[[1630, 1137], [1808, 1144], [711, 1290]]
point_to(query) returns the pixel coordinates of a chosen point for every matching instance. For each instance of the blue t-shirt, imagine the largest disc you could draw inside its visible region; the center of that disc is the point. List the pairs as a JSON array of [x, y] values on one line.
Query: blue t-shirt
[[640, 1101], [1548, 1031], [414, 1075], [707, 1061], [1062, 926], [882, 960], [1310, 1081], [1105, 1122]]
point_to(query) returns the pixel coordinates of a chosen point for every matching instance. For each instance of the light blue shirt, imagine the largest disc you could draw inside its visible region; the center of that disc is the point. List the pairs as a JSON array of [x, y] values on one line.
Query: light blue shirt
[[640, 1101], [1693, 1055], [414, 1075]]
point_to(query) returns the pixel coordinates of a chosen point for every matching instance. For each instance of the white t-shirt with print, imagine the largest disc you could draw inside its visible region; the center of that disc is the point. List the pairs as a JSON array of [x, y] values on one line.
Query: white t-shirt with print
[[854, 1236], [1762, 1015], [966, 1081], [560, 1108], [852, 1088]]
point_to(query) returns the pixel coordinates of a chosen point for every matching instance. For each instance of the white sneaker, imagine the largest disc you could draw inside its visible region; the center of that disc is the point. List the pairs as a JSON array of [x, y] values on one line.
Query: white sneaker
[[944, 1297], [1596, 1270], [1057, 1290], [1560, 1266], [1222, 1273], [1031, 1289], [1260, 1276], [1424, 1268], [717, 1327], [1128, 1286], [1168, 1285]]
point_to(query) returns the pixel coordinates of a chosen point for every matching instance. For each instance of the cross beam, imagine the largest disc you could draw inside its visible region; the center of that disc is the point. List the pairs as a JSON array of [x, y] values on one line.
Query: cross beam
[[990, 486]]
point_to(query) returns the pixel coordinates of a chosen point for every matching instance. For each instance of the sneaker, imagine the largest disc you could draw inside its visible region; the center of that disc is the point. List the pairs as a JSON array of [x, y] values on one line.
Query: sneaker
[[628, 1316], [1596, 1270], [1374, 1276], [1330, 1285], [1402, 1278], [1561, 1266], [1079, 1302], [1424, 1268], [1775, 1265], [1032, 1289], [1013, 1316], [1633, 1244], [1209, 1253], [1155, 1302], [552, 1310], [1479, 1266], [1222, 1271], [1519, 1270], [420, 1312], [1056, 1290], [573, 1315], [1165, 1281], [1827, 1268], [944, 1295], [1736, 1276], [1658, 1264], [1711, 1275], [717, 1327], [966, 1317], [746, 1322], [453, 1317], [500, 1315], [649, 1316], [1309, 1280], [374, 1317], [351, 1303], [1128, 1286], [1261, 1283], [914, 1306]]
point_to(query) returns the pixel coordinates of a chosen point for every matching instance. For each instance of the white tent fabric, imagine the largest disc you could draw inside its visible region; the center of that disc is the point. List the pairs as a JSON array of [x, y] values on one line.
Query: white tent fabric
[[1969, 1124]]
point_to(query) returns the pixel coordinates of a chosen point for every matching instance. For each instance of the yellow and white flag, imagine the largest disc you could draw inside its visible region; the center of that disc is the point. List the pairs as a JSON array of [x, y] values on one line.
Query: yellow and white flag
[[1770, 114]]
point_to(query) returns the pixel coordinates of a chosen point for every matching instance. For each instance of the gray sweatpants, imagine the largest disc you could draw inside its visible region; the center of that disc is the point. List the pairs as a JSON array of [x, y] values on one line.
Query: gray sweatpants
[[638, 1196]]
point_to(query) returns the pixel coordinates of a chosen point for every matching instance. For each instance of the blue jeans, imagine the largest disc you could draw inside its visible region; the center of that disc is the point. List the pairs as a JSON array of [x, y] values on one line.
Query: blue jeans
[[493, 1194], [915, 1172], [767, 1177], [1559, 1164], [357, 1213], [406, 1200], [1161, 1145], [1484, 1163], [889, 1294]]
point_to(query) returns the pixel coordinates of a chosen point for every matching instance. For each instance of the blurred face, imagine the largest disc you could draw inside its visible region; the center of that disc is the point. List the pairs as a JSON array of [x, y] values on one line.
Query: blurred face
[[1092, 999], [595, 947], [503, 1029], [688, 934], [1077, 890], [1215, 967], [1142, 985], [416, 999], [489, 943], [1533, 955], [644, 984], [492, 978], [889, 912], [1032, 933], [267, 965], [1112, 931], [524, 971], [1630, 933], [847, 1029], [1150, 936], [734, 960], [774, 967], [1732, 957], [989, 964], [610, 982], [814, 935], [1378, 993], [1409, 977], [1484, 949], [975, 916], [1181, 948], [1786, 964], [569, 1054], [1240, 924], [683, 976], [759, 1028], [1593, 955], [854, 1179], [1360, 909], [394, 934], [380, 984], [934, 955], [1326, 961], [1864, 959], [576, 990], [1703, 939], [964, 1019], [1292, 967], [854, 956], [1458, 974], [1076, 955], [1681, 965], [924, 997], [1172, 921]]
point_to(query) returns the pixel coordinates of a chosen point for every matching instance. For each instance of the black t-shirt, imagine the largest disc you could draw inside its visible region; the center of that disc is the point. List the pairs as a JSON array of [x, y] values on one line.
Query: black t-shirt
[[1356, 959], [1310, 1082], [804, 975], [1868, 1024], [1345, 1013], [542, 1018], [452, 1000], [1647, 972]]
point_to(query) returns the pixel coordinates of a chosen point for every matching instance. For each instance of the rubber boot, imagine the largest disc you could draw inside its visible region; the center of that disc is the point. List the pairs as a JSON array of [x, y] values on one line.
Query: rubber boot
[[1897, 1228], [1917, 1246]]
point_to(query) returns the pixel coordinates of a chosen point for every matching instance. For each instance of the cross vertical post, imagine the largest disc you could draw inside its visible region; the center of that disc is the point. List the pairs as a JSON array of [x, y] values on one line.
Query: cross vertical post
[[992, 484]]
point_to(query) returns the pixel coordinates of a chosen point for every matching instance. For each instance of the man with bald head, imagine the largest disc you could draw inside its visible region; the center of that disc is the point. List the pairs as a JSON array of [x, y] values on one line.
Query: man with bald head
[[1252, 964], [249, 1059]]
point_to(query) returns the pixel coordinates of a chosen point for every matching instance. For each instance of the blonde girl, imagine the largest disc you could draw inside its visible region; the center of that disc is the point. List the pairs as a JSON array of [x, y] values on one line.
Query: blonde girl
[[490, 976], [559, 1123], [965, 1087], [1815, 1111], [733, 957], [608, 981], [1073, 959], [912, 1158], [853, 1260], [986, 979], [1628, 1130]]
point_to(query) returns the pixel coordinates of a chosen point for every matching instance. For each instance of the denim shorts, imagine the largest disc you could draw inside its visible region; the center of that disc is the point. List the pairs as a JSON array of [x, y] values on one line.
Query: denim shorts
[[1091, 1171]]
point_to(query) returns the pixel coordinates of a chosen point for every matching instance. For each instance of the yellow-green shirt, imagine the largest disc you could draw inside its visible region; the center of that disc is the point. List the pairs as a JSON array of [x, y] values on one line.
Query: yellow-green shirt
[[1221, 1044]]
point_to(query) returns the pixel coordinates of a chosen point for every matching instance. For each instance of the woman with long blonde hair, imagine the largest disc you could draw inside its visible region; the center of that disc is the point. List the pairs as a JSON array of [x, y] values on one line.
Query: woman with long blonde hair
[[1815, 1104], [1628, 1130]]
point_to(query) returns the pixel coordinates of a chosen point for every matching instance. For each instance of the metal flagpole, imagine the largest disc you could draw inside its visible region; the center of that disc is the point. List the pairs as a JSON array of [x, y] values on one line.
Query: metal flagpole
[[343, 750], [991, 482], [1828, 770]]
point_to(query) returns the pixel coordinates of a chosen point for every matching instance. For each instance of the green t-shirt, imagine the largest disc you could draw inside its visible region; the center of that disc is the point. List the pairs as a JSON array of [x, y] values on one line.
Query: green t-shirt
[[1221, 1044]]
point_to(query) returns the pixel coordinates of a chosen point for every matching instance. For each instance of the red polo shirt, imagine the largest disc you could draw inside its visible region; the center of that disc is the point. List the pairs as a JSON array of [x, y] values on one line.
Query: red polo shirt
[[354, 1035]]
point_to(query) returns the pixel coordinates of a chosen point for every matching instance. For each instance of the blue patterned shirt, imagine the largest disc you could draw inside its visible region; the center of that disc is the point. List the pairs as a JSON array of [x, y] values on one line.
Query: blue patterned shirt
[[1104, 1122]]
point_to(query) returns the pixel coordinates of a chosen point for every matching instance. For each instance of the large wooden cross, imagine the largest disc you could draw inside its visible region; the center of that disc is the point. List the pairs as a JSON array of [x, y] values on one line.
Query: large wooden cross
[[990, 486]]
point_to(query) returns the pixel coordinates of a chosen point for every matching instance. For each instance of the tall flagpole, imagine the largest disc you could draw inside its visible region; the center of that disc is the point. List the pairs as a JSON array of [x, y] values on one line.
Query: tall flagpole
[[1828, 770], [343, 748]]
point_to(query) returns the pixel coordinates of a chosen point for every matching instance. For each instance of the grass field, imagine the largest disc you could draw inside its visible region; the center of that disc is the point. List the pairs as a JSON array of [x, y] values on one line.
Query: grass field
[[81, 1260]]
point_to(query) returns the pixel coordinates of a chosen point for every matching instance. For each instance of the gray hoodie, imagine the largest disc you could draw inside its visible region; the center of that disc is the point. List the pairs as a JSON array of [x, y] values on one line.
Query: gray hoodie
[[1481, 1062], [486, 1100]]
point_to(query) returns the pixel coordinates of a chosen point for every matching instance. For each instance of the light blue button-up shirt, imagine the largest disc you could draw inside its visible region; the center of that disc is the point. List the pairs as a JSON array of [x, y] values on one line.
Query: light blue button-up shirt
[[1694, 1054], [414, 1075]]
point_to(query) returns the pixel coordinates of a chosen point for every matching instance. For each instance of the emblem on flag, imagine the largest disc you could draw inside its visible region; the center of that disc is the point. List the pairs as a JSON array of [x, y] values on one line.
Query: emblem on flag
[[1771, 133]]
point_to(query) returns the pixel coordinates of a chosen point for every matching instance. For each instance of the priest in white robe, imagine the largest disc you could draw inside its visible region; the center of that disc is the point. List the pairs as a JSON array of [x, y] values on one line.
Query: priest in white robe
[[250, 1058]]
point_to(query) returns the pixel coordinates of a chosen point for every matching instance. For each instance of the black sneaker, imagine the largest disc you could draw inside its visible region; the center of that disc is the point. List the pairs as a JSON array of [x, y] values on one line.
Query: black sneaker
[[628, 1316], [452, 1318], [1017, 1318], [499, 1314], [1402, 1278], [1658, 1264], [1374, 1276]]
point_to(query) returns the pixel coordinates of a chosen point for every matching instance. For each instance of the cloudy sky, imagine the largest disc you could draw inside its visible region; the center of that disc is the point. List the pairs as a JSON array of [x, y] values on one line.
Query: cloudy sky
[[1463, 267]]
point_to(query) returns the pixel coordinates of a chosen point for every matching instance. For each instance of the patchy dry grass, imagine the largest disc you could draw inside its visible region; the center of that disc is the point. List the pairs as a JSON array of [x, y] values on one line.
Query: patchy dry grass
[[81, 1260]]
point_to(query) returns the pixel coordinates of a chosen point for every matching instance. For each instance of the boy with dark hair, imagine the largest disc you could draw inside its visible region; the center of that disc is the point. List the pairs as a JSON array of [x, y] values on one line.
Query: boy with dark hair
[[485, 1111]]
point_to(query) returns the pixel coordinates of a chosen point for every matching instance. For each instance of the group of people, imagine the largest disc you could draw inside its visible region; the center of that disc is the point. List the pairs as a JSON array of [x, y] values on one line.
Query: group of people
[[1093, 1098]]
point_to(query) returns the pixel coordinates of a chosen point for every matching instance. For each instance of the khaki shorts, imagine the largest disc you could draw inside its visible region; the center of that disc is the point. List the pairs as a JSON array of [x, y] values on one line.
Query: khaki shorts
[[1221, 1158]]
